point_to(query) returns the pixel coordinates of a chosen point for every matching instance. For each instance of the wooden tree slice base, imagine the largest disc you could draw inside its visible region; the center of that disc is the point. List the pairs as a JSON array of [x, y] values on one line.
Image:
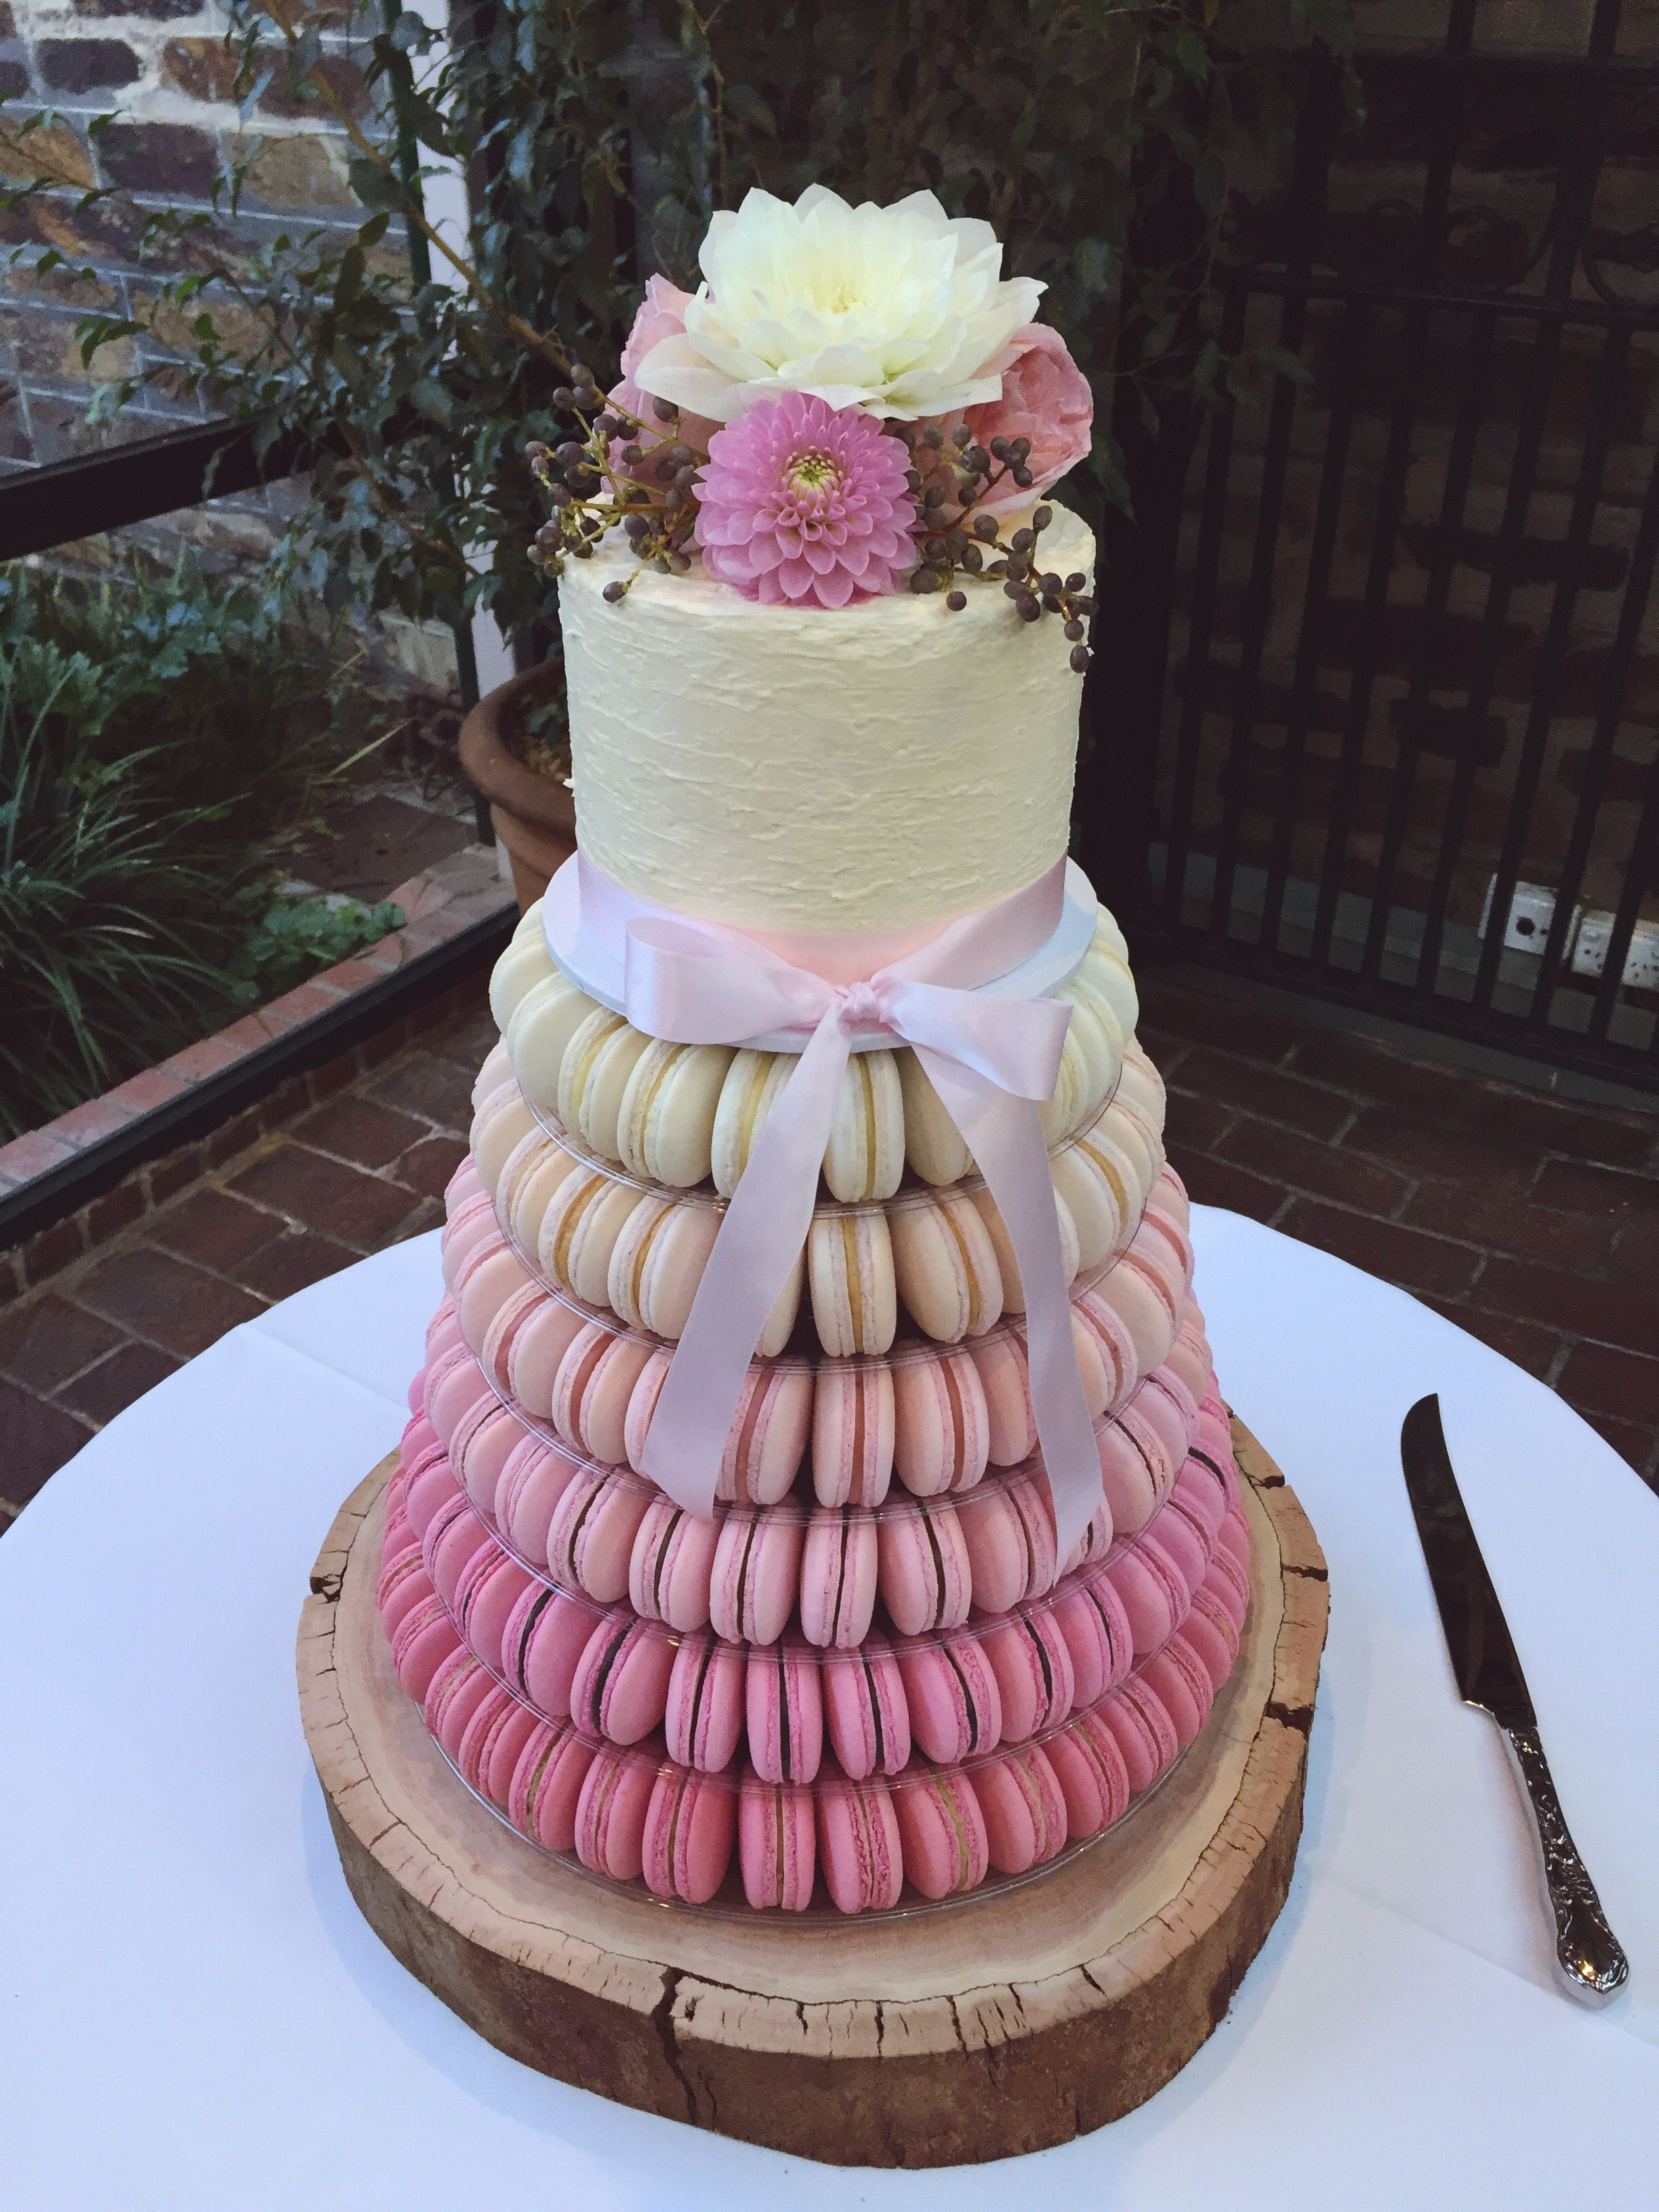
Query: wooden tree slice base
[[1002, 2025]]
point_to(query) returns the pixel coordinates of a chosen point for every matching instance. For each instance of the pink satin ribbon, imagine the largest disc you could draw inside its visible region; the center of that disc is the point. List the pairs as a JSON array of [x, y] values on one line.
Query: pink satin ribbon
[[991, 1059]]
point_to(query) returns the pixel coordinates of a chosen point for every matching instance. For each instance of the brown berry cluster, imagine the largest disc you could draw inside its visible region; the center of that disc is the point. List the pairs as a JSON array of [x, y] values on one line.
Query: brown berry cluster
[[590, 495], [949, 479]]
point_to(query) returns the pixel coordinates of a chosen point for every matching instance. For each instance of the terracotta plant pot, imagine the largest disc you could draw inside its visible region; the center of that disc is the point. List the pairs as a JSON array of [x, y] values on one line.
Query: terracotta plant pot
[[533, 814]]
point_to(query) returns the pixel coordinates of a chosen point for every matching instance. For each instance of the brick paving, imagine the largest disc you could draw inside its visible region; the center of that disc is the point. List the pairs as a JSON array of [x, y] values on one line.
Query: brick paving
[[1529, 1221]]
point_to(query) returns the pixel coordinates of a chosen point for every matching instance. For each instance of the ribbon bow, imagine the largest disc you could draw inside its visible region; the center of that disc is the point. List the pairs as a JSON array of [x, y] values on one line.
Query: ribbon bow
[[990, 1058]]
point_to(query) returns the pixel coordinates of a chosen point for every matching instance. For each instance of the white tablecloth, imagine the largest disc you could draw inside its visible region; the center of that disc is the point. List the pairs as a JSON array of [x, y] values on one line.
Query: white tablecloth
[[193, 2018]]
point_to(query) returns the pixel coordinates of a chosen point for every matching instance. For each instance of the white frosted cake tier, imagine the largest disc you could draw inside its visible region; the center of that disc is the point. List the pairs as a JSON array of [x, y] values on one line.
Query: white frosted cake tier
[[878, 767]]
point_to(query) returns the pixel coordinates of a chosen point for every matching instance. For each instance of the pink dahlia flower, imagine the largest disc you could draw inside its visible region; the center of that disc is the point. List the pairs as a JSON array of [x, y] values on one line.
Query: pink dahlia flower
[[1045, 397], [661, 315], [805, 504]]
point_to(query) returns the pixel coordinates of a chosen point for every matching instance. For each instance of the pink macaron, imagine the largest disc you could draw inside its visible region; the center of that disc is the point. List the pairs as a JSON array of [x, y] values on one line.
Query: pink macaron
[[537, 1352], [491, 1584], [1155, 1596], [954, 1700], [1032, 1662], [691, 1826], [1002, 1364], [592, 1390], [1233, 1537], [454, 1695], [425, 1637], [483, 1442], [492, 1741], [1090, 1616], [403, 1584], [923, 1566], [1186, 1547], [431, 1486], [1092, 1776], [454, 1384], [852, 1432], [784, 1711], [941, 1830], [756, 1575], [865, 1711], [1009, 1530], [859, 1849], [545, 1789], [704, 1715], [671, 1563], [942, 1423], [769, 1433], [1228, 1585], [1026, 1820], [590, 1538], [1211, 1635], [611, 1812], [620, 1688], [1182, 1683], [839, 1570], [777, 1844], [1144, 1732], [542, 1643], [533, 1480]]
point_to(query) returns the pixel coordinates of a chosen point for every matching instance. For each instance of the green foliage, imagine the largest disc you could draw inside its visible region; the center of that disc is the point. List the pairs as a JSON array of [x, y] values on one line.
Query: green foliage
[[150, 737], [1101, 137]]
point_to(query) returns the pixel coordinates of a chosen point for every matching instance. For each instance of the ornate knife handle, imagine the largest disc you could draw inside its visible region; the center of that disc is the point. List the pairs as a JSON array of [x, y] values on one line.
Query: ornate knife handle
[[1590, 1956]]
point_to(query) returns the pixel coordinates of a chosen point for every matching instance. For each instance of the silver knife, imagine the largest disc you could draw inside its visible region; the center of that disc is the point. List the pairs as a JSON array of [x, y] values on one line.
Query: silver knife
[[1592, 1964]]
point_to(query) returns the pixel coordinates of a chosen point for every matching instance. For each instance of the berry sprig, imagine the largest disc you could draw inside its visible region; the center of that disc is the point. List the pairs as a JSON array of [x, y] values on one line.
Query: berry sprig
[[590, 496], [949, 482]]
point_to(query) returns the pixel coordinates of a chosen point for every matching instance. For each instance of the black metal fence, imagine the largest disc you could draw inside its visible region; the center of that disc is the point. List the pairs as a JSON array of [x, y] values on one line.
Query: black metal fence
[[1375, 718]]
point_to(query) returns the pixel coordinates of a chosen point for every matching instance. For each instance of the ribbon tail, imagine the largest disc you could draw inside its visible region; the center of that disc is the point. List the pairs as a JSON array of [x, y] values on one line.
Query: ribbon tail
[[1006, 1136], [759, 1243]]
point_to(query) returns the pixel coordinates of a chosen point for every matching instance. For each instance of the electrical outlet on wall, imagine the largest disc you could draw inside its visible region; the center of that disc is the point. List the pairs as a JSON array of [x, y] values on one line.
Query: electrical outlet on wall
[[1589, 951], [1527, 926]]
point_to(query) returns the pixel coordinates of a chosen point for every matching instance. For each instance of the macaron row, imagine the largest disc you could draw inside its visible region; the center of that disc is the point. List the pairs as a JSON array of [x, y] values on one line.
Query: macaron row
[[637, 1815], [935, 1417], [943, 1258], [619, 1677], [683, 1114], [601, 1537]]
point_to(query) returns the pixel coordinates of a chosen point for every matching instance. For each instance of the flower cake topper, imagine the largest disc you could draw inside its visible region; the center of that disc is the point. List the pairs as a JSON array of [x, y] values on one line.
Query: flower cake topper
[[853, 401]]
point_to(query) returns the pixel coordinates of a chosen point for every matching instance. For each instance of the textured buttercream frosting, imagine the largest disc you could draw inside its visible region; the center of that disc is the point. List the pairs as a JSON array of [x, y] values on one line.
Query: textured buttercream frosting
[[870, 767]]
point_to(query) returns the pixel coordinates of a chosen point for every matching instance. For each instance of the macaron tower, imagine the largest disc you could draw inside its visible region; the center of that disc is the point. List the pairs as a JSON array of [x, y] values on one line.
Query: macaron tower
[[725, 1557]]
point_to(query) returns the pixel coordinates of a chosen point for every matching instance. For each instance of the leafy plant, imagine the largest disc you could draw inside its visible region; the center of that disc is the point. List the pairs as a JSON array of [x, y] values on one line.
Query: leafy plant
[[1101, 137], [143, 773]]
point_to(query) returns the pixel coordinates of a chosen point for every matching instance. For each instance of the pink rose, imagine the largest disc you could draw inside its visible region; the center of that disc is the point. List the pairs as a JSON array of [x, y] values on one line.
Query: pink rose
[[661, 315], [1045, 397]]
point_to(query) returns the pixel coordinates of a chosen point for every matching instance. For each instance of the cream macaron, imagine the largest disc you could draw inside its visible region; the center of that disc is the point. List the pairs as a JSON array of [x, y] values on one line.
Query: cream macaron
[[601, 1058], [864, 1158], [946, 1269], [665, 1124], [580, 1230], [525, 962], [748, 1094], [850, 1269], [497, 1127], [539, 1036], [935, 1148]]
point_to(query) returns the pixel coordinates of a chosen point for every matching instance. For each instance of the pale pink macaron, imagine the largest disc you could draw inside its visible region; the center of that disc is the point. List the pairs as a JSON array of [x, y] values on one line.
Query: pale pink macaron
[[852, 1432], [541, 1646], [703, 1719], [942, 1831], [1092, 1776], [1009, 1530], [620, 1688], [945, 1266], [1142, 1315], [784, 1711], [839, 1571], [539, 1342], [1154, 1593], [865, 1709], [1090, 1616], [954, 1700], [425, 1637], [1145, 1733], [594, 1385], [545, 1790], [1108, 1358], [497, 1732], [485, 1440], [690, 1828], [527, 1495], [756, 1574], [454, 1694], [1189, 1356], [942, 1423], [1026, 1820], [403, 1586], [671, 1563], [454, 1384], [590, 1539], [859, 1849], [489, 1590], [777, 1845], [431, 1486], [769, 1433], [924, 1569], [615, 1796], [1181, 1681], [1032, 1662], [465, 1183], [471, 1223], [487, 1277], [1001, 1363], [513, 1316]]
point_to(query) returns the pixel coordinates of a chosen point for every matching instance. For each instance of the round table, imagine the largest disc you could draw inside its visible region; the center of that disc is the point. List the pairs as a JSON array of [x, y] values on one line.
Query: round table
[[192, 2014]]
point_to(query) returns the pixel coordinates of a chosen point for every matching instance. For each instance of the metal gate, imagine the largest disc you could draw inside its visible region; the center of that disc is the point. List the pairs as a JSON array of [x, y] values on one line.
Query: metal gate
[[1376, 710]]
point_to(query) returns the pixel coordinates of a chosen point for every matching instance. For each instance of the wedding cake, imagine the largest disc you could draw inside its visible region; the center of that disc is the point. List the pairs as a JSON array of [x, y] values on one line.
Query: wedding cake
[[816, 1497]]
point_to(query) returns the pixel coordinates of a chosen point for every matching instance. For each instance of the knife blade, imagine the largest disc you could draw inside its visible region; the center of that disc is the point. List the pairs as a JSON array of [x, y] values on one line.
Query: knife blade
[[1590, 1959]]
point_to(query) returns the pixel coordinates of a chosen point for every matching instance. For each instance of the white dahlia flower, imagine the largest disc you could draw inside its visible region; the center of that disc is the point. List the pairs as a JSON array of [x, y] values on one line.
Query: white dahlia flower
[[900, 311]]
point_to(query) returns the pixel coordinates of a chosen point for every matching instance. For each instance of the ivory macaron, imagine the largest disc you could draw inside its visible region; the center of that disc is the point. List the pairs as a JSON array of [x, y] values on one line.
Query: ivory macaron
[[748, 1094], [666, 1123], [945, 1266], [593, 1075], [839, 1572], [537, 1170], [784, 1711], [703, 1719], [954, 1700], [777, 1844], [691, 1828], [1013, 1291], [1089, 1064], [854, 1433], [935, 1148], [502, 1120], [866, 1712], [850, 1270], [525, 962], [657, 1261], [538, 1034], [942, 1423], [860, 1852], [865, 1157]]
